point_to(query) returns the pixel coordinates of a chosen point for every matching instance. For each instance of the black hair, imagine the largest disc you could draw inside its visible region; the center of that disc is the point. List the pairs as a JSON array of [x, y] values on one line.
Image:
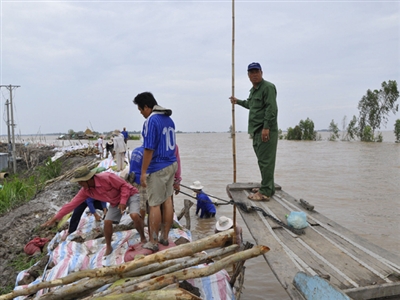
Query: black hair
[[145, 99]]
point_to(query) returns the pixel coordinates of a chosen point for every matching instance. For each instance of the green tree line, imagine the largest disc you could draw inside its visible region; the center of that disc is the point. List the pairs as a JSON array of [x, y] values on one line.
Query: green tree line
[[374, 109]]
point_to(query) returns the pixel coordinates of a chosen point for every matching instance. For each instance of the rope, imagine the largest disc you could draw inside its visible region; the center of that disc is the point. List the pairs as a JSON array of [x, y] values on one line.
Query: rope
[[249, 209]]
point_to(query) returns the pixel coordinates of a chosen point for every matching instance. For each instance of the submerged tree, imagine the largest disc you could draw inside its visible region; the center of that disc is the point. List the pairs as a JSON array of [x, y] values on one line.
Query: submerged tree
[[307, 129], [375, 107], [280, 134], [397, 130], [294, 133], [334, 130], [351, 130], [303, 131]]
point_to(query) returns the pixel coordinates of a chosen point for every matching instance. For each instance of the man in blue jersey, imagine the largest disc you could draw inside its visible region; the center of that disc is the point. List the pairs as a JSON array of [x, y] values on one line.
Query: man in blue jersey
[[158, 167]]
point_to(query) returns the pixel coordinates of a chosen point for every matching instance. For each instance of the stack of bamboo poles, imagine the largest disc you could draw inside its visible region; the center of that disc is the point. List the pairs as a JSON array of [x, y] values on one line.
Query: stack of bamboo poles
[[89, 162], [83, 152], [155, 276]]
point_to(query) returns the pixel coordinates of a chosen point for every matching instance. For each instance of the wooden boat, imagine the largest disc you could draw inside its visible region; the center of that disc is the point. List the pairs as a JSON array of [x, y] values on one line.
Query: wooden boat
[[326, 261]]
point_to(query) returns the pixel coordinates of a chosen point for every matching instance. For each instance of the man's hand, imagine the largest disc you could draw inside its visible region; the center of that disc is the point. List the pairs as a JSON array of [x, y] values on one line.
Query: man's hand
[[265, 135], [143, 182], [177, 188], [122, 208], [49, 222], [97, 217], [233, 100]]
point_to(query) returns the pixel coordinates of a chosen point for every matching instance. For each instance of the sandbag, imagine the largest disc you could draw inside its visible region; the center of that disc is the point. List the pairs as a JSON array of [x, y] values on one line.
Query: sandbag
[[35, 245]]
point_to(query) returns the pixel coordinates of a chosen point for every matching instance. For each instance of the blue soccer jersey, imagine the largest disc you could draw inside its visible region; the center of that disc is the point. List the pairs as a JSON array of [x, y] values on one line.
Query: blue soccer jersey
[[159, 135]]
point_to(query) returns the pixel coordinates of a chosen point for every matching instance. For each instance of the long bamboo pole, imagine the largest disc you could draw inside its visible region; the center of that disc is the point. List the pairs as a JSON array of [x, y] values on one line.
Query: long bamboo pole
[[233, 120], [233, 130]]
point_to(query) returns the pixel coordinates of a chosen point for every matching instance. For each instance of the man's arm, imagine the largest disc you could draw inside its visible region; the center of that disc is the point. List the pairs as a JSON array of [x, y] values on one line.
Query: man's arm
[[271, 108], [147, 156], [243, 103], [67, 208]]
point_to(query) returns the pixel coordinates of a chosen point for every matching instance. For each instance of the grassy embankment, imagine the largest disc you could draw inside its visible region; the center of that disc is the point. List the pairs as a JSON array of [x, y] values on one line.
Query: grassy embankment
[[19, 189]]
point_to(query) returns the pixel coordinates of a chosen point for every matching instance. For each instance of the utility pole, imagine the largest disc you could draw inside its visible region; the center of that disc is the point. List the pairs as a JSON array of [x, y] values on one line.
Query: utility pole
[[8, 121], [10, 88]]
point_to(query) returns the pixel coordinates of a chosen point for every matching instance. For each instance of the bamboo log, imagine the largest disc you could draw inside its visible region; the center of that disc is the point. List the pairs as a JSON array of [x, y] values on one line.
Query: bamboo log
[[86, 286], [162, 281], [190, 263], [159, 295], [210, 242]]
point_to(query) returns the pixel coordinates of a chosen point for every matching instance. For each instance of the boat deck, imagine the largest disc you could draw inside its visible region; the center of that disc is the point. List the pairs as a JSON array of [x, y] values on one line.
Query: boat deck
[[355, 267]]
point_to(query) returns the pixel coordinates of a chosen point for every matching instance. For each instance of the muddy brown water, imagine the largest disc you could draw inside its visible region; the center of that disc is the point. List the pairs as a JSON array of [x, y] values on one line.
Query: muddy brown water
[[355, 184]]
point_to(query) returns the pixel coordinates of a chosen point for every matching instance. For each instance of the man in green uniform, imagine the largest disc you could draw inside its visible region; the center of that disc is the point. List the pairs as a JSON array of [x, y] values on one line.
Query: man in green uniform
[[263, 127]]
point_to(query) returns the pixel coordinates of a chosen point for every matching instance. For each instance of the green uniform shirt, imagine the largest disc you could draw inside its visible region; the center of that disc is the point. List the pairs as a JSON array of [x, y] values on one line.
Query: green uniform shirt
[[263, 110]]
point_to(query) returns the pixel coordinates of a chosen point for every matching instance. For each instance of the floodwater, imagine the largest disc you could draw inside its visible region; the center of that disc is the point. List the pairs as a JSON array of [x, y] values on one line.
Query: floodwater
[[355, 184]]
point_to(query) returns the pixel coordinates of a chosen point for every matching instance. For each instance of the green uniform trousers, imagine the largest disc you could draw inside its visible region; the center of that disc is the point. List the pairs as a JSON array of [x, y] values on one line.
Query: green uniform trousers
[[266, 156]]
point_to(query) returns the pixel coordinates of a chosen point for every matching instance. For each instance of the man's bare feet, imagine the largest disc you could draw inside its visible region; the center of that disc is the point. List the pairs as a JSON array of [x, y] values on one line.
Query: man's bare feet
[[108, 251], [144, 241]]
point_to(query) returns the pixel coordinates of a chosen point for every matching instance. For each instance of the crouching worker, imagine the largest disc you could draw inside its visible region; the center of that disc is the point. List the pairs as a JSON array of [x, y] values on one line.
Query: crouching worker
[[225, 223], [105, 187], [78, 212], [204, 203]]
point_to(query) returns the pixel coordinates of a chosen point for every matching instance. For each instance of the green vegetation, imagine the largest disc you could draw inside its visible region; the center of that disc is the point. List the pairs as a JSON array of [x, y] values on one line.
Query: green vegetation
[[397, 130], [134, 137], [304, 131], [20, 263], [351, 131], [18, 189], [50, 170], [6, 289], [374, 109], [333, 128], [24, 262], [281, 136]]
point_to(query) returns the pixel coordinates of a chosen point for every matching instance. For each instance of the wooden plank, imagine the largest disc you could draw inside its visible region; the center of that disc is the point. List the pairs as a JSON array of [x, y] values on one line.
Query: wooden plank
[[327, 248], [374, 292], [373, 262], [248, 186], [280, 263], [345, 272], [395, 259]]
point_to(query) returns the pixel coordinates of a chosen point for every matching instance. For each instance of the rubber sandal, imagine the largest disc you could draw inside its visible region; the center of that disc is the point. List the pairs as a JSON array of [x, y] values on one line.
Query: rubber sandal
[[255, 190], [150, 246], [258, 197]]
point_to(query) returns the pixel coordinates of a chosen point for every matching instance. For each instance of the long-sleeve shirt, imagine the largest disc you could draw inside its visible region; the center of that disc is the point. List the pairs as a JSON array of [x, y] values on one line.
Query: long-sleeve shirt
[[119, 144], [108, 188], [89, 202], [263, 110], [204, 204]]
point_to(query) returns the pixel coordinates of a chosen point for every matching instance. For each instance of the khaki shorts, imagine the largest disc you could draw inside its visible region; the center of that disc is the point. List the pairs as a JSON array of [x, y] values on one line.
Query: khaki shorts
[[160, 185], [114, 213], [143, 196]]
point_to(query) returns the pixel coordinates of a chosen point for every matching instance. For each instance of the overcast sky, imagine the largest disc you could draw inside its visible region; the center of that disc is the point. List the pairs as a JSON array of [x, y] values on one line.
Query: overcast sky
[[79, 64]]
